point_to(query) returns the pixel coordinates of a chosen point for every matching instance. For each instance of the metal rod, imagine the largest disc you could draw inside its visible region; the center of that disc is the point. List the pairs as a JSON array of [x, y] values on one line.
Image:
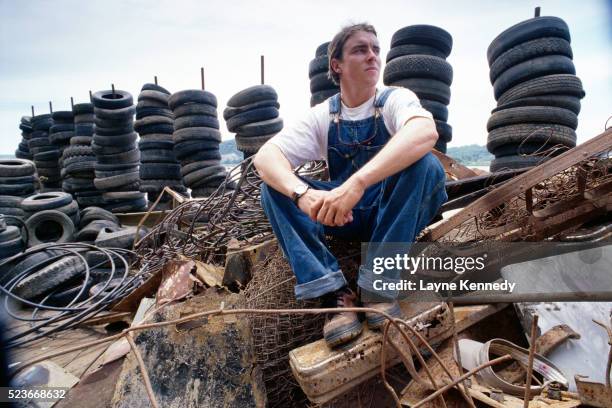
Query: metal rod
[[602, 296], [202, 77], [261, 68], [32, 110], [113, 88], [50, 107], [90, 96], [532, 347], [537, 12], [71, 103], [155, 77]]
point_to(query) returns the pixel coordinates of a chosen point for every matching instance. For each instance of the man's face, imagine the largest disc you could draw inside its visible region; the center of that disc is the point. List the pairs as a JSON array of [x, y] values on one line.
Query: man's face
[[360, 63]]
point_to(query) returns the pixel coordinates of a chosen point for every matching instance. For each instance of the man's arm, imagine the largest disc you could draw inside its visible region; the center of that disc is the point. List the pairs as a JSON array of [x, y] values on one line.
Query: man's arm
[[413, 141], [275, 170]]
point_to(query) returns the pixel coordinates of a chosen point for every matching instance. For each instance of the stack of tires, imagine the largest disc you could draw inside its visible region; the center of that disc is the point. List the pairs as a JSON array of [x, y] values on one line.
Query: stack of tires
[[17, 181], [321, 86], [79, 159], [23, 150], [11, 242], [50, 217], [253, 115], [117, 155], [417, 61], [196, 140], [60, 134], [537, 93], [45, 153], [155, 124]]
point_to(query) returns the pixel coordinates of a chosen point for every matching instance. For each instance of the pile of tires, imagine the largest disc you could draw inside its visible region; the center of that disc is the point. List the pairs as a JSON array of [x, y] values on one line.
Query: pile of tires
[[93, 221], [17, 181], [23, 150], [79, 160], [321, 86], [155, 124], [60, 134], [417, 61], [537, 93], [11, 241], [50, 217], [253, 115], [196, 140], [45, 153], [117, 156]]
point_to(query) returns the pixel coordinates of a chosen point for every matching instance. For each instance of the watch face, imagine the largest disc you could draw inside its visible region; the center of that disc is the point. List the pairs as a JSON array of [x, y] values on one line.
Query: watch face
[[301, 189]]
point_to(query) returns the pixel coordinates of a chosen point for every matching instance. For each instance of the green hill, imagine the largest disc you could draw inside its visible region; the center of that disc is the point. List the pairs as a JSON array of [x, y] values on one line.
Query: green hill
[[471, 155]]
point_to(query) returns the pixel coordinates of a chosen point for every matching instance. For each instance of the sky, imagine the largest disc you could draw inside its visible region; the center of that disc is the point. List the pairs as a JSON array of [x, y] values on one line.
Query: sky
[[54, 50]]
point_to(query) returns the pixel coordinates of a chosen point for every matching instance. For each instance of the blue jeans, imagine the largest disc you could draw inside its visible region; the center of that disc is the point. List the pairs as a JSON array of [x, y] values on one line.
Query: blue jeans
[[395, 210]]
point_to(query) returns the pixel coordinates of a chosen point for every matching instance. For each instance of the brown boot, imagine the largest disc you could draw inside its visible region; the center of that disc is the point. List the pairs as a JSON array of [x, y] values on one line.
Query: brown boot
[[375, 320], [342, 327]]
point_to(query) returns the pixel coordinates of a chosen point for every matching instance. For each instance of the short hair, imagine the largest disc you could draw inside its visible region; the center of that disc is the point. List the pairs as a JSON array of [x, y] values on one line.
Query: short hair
[[334, 50]]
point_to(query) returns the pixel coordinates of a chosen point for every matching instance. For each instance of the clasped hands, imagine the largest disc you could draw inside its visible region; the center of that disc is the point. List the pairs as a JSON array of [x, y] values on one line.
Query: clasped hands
[[332, 208]]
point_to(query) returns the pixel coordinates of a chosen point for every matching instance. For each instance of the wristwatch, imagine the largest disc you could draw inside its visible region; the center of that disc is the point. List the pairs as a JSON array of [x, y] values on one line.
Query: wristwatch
[[299, 191]]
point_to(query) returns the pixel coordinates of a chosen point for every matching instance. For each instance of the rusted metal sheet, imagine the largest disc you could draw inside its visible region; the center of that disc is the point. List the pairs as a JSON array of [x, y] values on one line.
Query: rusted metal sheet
[[324, 373], [554, 337], [176, 282], [453, 168], [521, 183], [593, 393]]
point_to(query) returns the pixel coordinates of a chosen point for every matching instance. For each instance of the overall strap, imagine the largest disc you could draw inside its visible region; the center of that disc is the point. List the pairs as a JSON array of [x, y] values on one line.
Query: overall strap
[[382, 97], [334, 104]]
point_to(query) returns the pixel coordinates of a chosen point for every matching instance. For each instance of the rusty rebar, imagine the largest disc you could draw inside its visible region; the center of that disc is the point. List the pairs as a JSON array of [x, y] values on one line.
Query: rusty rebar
[[532, 347]]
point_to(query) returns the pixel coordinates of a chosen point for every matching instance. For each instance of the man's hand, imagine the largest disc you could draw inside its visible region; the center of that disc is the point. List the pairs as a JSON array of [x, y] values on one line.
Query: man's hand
[[332, 208]]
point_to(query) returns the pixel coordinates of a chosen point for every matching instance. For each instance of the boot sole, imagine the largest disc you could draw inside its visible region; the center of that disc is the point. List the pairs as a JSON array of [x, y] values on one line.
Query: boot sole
[[343, 334], [377, 321]]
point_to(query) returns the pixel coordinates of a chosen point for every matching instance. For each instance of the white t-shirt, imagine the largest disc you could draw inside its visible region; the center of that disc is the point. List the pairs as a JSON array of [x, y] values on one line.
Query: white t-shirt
[[306, 140]]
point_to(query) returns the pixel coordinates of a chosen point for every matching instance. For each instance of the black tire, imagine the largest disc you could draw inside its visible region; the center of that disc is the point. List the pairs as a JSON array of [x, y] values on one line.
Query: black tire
[[196, 121], [158, 96], [115, 182], [85, 118], [533, 68], [562, 84], [131, 156], [72, 151], [200, 156], [532, 133], [413, 49], [96, 213], [127, 207], [49, 155], [11, 247], [112, 100], [251, 144], [156, 137], [45, 201], [424, 34], [126, 139], [82, 108], [528, 50], [61, 138], [571, 103], [142, 113], [187, 148], [61, 127], [318, 65], [157, 156], [10, 201], [430, 89], [14, 211], [16, 189], [85, 165], [151, 103], [445, 131], [114, 131], [95, 200], [440, 146], [156, 128], [322, 49], [437, 109], [154, 87], [120, 239], [126, 167], [18, 180], [213, 180], [255, 115], [9, 233], [253, 94], [418, 66], [266, 127], [516, 162], [536, 27], [152, 120], [156, 186], [196, 133], [50, 277], [322, 96], [115, 115], [39, 258], [160, 171], [195, 109], [49, 226], [203, 191], [201, 174], [191, 96], [230, 112], [107, 124], [532, 114], [522, 149], [16, 168], [321, 82], [198, 165], [122, 196], [84, 129], [111, 149], [144, 145]]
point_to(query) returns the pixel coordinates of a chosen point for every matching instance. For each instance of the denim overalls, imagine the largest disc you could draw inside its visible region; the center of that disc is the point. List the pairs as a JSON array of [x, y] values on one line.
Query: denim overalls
[[392, 211]]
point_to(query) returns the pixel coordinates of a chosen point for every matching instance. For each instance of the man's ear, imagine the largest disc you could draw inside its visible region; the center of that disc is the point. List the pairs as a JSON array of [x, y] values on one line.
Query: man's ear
[[335, 65]]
